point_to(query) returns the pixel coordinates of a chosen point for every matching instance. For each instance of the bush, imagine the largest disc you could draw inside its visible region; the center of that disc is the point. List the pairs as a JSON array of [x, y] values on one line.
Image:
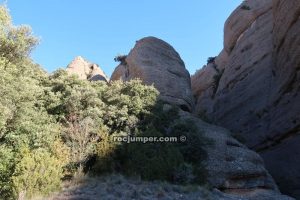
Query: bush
[[30, 172], [245, 7], [204, 117], [192, 149], [31, 152], [216, 81], [121, 59], [184, 174], [211, 60], [37, 172], [57, 126], [106, 148], [152, 161], [16, 41]]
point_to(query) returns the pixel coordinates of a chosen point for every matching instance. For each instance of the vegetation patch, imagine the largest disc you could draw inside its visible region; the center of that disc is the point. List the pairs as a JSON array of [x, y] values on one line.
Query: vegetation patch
[[59, 127]]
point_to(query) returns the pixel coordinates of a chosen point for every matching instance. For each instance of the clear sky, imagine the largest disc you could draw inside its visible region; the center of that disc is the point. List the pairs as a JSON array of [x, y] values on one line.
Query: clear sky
[[98, 30]]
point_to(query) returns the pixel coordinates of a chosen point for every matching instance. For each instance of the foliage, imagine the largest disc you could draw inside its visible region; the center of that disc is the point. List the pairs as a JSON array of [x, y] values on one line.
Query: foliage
[[156, 160], [89, 111], [245, 7], [216, 81], [29, 137], [76, 106], [16, 41], [152, 161], [184, 174], [55, 126], [37, 172], [211, 60], [204, 117], [121, 59], [192, 148]]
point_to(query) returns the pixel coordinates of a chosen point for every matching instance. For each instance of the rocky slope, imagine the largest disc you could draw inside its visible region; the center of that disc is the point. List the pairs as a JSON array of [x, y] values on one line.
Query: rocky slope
[[86, 70], [252, 87], [232, 167], [156, 62]]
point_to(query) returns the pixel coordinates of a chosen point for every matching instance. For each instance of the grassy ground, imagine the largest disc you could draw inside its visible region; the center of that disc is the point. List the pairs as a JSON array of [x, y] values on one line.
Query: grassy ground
[[117, 187]]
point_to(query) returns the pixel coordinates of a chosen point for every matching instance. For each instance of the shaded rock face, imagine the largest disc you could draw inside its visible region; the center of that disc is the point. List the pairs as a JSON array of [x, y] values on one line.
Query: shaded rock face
[[280, 148], [86, 70], [232, 168], [241, 19], [252, 87], [156, 62]]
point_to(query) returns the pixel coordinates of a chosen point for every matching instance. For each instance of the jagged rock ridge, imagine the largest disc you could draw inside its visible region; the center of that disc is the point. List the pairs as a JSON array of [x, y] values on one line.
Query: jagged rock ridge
[[86, 70]]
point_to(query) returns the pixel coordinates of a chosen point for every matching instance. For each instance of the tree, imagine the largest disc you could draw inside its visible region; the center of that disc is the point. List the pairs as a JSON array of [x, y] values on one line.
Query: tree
[[16, 41], [26, 129]]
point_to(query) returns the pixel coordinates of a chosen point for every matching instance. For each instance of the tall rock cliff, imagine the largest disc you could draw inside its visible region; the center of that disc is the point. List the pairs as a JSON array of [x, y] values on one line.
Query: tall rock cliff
[[156, 62], [86, 70], [252, 87], [235, 171]]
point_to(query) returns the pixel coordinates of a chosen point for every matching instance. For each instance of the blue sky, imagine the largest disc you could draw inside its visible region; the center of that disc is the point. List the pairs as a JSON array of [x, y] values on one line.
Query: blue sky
[[98, 30]]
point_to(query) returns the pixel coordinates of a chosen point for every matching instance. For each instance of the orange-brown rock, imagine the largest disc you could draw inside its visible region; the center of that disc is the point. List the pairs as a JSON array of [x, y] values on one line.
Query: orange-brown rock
[[86, 70], [156, 62]]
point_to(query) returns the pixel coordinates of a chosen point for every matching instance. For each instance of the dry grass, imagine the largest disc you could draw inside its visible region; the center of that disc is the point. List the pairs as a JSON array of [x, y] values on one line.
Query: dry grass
[[114, 187], [118, 187]]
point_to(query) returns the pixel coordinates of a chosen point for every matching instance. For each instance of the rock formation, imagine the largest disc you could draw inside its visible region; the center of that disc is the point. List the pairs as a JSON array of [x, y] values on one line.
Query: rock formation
[[252, 87], [156, 62], [86, 70], [232, 168]]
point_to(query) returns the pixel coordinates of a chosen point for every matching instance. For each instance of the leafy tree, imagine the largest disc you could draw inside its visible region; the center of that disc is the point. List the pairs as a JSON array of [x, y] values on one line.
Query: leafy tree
[[51, 126], [16, 41], [25, 126]]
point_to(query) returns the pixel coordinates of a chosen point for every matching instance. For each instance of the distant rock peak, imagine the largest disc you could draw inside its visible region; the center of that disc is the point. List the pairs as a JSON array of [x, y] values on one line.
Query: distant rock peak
[[86, 70]]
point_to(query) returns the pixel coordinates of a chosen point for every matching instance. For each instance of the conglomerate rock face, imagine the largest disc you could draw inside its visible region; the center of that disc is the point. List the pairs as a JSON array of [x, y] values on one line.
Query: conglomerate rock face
[[156, 62], [280, 147], [86, 70], [252, 87], [232, 167]]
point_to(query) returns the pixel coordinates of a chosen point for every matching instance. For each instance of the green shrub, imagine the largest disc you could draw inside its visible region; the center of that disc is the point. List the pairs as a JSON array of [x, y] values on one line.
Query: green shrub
[[57, 126], [31, 152], [37, 172], [106, 148], [211, 60], [184, 174], [6, 169], [152, 161], [203, 116], [155, 160], [245, 7], [121, 59], [216, 81], [30, 172], [192, 149]]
